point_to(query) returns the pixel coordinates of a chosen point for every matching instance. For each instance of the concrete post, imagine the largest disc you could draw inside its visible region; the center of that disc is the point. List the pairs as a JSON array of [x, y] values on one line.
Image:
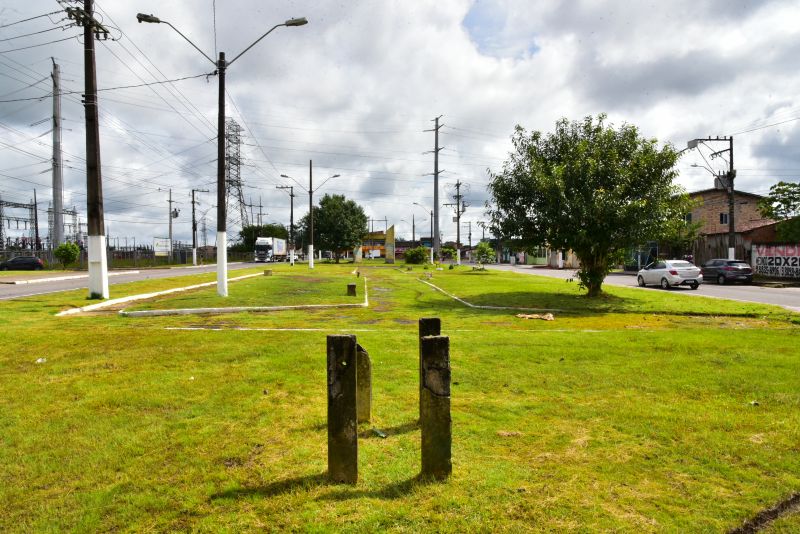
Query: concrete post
[[363, 385], [435, 408], [351, 290], [428, 326], [342, 426]]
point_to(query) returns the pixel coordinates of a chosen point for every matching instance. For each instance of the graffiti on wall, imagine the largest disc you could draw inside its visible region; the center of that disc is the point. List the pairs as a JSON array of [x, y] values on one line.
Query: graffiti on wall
[[782, 261]]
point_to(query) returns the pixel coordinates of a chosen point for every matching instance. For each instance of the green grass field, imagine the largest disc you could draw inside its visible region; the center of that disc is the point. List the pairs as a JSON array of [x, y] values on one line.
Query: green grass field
[[641, 411]]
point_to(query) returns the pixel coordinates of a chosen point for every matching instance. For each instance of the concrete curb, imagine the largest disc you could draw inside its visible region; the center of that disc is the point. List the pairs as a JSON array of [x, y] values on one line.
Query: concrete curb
[[480, 307], [131, 298], [239, 309], [59, 278]]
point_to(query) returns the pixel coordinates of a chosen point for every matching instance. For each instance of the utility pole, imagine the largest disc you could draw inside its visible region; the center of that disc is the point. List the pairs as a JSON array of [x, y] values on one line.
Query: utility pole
[[728, 183], [98, 266], [413, 235], [194, 226], [260, 212], [460, 207], [58, 179], [170, 224], [437, 246], [291, 220], [35, 222]]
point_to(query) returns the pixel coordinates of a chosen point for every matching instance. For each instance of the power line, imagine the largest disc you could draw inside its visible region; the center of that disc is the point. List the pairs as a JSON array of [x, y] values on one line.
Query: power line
[[146, 84], [766, 126], [33, 33], [31, 18], [37, 45]]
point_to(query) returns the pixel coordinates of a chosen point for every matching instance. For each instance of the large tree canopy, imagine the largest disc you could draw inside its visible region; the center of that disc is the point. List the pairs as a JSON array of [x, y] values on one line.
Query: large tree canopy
[[588, 187], [339, 225]]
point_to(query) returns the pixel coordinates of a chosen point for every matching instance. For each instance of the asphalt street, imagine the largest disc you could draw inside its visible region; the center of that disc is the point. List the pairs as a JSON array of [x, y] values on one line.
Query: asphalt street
[[788, 297], [11, 291]]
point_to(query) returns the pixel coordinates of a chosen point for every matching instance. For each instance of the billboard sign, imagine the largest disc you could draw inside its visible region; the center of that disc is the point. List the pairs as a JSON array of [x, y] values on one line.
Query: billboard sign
[[781, 261], [161, 246]]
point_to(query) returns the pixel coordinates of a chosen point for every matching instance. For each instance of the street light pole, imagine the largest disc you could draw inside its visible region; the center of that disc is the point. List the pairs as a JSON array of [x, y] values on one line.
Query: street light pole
[[291, 218], [310, 218], [222, 65], [194, 225]]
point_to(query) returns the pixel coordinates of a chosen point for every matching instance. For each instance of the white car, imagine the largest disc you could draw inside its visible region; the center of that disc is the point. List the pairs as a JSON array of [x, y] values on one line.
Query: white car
[[669, 273]]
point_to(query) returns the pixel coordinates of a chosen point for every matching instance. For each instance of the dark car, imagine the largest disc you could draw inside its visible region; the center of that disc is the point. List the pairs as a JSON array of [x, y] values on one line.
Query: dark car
[[727, 271], [22, 263]]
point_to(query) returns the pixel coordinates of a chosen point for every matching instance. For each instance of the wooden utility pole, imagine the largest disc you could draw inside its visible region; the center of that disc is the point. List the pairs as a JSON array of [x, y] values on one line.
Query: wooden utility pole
[[58, 179]]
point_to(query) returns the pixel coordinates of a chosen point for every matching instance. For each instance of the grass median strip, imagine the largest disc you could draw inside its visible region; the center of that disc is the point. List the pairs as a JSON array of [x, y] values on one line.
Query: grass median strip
[[640, 411]]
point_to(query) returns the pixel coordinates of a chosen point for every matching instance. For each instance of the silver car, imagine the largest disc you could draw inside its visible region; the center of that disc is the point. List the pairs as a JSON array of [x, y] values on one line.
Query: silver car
[[669, 273]]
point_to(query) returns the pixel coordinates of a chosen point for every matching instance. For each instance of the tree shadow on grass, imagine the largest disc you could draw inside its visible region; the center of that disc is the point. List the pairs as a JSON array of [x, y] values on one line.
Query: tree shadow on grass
[[278, 487]]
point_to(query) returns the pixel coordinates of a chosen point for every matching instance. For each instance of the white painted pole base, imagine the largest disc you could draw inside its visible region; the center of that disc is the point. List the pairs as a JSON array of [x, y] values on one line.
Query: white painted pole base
[[431, 255], [222, 264], [731, 252], [194, 256], [98, 267], [458, 257], [291, 258], [310, 256]]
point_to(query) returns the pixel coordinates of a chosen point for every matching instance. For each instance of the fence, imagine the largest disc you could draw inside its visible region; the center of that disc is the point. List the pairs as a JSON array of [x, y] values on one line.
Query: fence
[[134, 257]]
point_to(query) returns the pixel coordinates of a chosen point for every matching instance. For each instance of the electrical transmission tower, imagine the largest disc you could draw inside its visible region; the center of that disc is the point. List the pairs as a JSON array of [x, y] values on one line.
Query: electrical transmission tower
[[233, 177]]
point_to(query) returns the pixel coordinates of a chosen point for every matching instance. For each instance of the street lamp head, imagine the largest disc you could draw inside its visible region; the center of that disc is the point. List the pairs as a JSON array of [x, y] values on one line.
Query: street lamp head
[[296, 22], [335, 175], [693, 143], [285, 176], [141, 17]]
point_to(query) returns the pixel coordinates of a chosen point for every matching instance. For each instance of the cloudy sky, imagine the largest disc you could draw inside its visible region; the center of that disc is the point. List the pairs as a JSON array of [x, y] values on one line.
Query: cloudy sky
[[356, 88]]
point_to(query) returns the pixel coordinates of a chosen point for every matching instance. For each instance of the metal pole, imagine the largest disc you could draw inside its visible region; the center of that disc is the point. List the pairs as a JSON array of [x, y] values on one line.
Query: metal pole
[[222, 237], [194, 232], [436, 245], [291, 221], [310, 218], [412, 230], [169, 214], [731, 206], [98, 267], [58, 179], [35, 222]]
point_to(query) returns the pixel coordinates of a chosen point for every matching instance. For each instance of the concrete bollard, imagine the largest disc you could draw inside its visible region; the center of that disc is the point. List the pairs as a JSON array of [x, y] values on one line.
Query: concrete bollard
[[268, 272], [342, 395], [351, 290], [363, 385], [428, 326], [435, 408]]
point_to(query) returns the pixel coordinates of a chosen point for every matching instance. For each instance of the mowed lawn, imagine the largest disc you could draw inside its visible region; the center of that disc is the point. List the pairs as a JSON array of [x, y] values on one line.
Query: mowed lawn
[[641, 411]]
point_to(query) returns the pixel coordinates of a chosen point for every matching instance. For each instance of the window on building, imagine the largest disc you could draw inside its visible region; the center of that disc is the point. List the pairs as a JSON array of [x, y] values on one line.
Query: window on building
[[723, 218]]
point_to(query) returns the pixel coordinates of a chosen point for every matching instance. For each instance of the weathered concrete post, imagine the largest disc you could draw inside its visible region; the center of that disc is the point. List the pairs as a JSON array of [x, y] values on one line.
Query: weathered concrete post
[[351, 290], [428, 326], [342, 426], [435, 408], [363, 385]]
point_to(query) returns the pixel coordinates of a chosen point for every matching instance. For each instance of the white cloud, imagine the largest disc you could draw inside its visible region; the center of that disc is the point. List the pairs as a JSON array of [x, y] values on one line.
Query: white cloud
[[355, 88]]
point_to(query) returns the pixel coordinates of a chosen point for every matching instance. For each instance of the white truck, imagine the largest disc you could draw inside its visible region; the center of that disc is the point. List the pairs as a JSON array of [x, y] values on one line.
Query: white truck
[[270, 249]]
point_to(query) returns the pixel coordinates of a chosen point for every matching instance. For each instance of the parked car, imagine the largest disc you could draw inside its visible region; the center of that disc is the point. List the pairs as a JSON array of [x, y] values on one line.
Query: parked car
[[670, 273], [725, 271], [22, 263]]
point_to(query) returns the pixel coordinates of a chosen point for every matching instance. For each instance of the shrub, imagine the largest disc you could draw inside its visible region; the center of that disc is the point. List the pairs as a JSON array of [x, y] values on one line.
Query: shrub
[[484, 253], [66, 254], [417, 255]]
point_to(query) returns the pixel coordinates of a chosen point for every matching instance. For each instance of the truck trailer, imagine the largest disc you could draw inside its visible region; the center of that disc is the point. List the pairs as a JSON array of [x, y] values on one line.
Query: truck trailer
[[269, 249]]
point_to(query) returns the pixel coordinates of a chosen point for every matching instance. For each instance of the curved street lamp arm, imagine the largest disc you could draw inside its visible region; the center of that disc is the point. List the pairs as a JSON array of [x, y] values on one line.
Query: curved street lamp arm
[[254, 43], [189, 41], [325, 181]]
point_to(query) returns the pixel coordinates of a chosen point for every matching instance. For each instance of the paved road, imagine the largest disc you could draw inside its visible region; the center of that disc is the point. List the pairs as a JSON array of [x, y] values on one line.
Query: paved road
[[788, 297], [11, 291]]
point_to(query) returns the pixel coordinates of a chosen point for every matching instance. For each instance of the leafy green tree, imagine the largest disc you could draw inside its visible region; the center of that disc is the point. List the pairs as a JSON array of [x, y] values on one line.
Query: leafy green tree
[[448, 252], [66, 254], [484, 253], [339, 225], [416, 256], [783, 205], [588, 187]]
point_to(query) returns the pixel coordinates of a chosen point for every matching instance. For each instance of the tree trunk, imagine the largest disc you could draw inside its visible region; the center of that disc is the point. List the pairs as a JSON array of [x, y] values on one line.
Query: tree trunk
[[592, 273]]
